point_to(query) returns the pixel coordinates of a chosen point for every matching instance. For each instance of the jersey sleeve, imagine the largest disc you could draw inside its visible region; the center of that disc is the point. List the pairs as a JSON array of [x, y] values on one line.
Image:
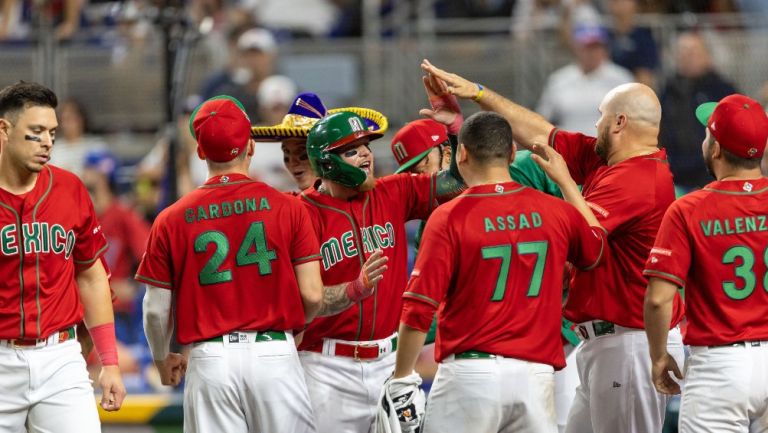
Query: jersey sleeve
[[90, 241], [588, 245], [578, 151], [670, 257], [431, 274], [525, 171], [615, 204], [155, 266], [304, 245], [419, 193]]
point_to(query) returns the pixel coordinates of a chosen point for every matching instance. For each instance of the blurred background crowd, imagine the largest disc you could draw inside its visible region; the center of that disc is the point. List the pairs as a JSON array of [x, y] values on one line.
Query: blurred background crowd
[[130, 72]]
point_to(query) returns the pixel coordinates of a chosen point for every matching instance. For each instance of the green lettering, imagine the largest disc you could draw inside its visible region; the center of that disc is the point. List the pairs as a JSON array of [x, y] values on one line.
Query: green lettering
[[489, 225], [706, 227], [536, 219], [368, 245], [511, 222], [728, 228], [331, 252], [250, 205], [761, 218], [58, 239], [500, 223], [226, 208], [739, 225], [7, 240], [524, 224], [348, 244], [31, 235], [189, 215], [380, 232], [264, 204], [201, 215], [45, 230], [718, 228], [391, 233], [239, 208], [751, 223], [70, 244], [213, 210]]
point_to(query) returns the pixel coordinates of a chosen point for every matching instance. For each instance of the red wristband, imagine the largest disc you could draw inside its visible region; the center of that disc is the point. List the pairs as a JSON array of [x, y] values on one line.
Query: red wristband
[[104, 341]]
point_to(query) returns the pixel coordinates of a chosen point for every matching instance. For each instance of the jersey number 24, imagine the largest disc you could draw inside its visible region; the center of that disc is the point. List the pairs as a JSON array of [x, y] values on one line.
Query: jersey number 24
[[253, 250]]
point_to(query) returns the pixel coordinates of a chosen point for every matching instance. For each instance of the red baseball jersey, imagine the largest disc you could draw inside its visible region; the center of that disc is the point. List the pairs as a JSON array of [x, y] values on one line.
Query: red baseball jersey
[[492, 263], [349, 232], [228, 250], [46, 236], [629, 200], [714, 242]]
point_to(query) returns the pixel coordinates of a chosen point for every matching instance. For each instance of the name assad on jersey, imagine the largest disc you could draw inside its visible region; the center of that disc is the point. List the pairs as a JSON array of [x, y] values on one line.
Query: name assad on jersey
[[726, 287], [228, 249], [349, 232], [493, 261], [45, 236]]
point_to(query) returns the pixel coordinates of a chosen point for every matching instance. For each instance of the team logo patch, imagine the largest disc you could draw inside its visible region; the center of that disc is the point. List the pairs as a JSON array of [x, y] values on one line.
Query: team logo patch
[[224, 179], [661, 251], [435, 137], [752, 151], [499, 188], [355, 124], [654, 259], [400, 152], [748, 186], [234, 338]]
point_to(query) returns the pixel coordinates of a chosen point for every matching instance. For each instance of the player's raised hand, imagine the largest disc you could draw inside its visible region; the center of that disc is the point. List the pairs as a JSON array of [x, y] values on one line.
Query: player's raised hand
[[172, 369], [112, 388], [660, 374], [444, 106], [552, 163], [454, 84], [372, 272]]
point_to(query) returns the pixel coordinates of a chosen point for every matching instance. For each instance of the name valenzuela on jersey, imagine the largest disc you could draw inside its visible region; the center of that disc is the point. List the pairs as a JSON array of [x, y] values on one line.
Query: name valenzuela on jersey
[[375, 237], [736, 225], [226, 209], [38, 237]]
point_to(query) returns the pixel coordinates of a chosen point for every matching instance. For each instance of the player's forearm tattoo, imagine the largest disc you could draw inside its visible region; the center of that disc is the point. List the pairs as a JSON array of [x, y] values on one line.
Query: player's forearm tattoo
[[335, 300], [449, 183]]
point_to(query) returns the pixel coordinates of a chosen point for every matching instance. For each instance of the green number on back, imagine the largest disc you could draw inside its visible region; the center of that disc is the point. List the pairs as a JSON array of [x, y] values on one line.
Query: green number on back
[[743, 271], [210, 273], [253, 250], [540, 249], [261, 255], [504, 252]]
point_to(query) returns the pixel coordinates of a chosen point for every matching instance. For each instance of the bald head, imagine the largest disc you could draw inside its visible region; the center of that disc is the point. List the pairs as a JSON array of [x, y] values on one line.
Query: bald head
[[637, 101]]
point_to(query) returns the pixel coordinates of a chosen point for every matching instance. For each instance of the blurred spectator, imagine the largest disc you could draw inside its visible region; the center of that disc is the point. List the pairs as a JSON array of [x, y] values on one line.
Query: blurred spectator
[[126, 233], [573, 93], [18, 17], [532, 16], [300, 17], [632, 47], [74, 140], [276, 94], [694, 82], [253, 61], [474, 8]]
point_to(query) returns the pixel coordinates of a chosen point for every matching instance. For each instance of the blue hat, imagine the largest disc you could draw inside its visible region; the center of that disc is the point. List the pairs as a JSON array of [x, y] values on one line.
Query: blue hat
[[305, 111], [586, 34], [103, 161]]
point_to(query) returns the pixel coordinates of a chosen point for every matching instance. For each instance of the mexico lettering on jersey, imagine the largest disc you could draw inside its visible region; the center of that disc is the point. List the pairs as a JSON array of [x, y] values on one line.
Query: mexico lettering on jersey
[[629, 200], [46, 236], [349, 231], [491, 264], [228, 250], [714, 242]]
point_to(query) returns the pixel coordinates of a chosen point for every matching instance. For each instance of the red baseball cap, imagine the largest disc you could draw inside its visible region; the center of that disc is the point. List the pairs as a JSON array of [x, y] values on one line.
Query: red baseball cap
[[738, 123], [415, 140], [221, 128]]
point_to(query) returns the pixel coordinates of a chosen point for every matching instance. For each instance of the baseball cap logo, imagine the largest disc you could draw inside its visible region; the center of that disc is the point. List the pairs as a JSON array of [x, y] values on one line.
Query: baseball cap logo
[[400, 152], [752, 151], [435, 137], [355, 124], [748, 186]]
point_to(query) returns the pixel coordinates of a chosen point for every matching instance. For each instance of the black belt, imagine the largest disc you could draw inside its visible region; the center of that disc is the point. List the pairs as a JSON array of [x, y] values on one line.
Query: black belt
[[740, 344]]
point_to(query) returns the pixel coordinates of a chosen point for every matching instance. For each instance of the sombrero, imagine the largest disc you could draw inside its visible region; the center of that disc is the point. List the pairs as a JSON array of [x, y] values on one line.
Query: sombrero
[[305, 111]]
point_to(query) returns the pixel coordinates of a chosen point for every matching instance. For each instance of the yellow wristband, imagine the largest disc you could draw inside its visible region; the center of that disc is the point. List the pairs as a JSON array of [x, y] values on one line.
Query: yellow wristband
[[480, 91]]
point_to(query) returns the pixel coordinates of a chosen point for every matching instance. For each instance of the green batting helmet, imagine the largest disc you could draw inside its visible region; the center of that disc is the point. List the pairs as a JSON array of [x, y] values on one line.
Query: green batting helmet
[[331, 133]]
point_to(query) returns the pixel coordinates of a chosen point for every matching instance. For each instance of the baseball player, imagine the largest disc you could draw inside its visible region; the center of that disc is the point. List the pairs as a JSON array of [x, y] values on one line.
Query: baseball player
[[713, 243], [628, 185], [241, 264], [347, 357], [491, 264], [304, 112], [52, 278]]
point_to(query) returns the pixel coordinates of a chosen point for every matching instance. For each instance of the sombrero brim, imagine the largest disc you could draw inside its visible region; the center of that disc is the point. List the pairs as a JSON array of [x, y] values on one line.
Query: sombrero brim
[[374, 120]]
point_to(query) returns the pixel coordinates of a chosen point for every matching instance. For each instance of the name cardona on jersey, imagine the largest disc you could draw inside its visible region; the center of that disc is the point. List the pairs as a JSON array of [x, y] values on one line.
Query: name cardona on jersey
[[374, 237], [38, 237]]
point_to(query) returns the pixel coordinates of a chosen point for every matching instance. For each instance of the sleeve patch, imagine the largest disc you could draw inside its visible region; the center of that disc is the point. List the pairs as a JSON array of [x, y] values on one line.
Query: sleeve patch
[[661, 251]]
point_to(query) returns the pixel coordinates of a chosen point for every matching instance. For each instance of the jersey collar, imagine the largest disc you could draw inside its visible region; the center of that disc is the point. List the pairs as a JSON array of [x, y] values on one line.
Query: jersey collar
[[227, 179], [495, 188], [739, 187]]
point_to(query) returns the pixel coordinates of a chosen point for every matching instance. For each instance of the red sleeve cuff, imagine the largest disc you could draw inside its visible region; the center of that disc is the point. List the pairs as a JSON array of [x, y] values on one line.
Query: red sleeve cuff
[[417, 314], [664, 276]]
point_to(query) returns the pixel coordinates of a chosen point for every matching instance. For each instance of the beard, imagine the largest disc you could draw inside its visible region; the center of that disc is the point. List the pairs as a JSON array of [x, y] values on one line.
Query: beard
[[708, 161], [369, 184], [603, 144]]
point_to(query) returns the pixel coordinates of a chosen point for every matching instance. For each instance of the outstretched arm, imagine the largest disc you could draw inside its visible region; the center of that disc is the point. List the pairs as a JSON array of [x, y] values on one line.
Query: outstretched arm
[[527, 126]]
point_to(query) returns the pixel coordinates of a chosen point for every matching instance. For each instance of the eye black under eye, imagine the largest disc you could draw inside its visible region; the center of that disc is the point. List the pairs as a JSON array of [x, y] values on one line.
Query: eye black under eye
[[350, 153]]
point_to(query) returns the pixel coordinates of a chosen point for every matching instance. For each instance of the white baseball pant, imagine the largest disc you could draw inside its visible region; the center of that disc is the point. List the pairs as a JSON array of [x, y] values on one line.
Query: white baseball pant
[[566, 382], [246, 386], [615, 394], [726, 390], [46, 389], [502, 395]]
